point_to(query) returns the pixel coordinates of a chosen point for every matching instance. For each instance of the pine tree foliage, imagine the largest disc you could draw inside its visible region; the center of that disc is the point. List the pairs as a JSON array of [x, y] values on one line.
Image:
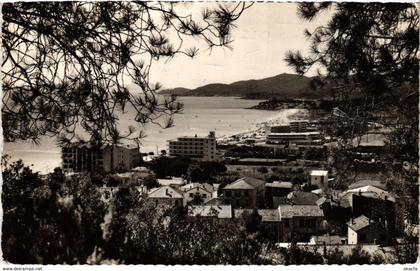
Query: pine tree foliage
[[71, 65]]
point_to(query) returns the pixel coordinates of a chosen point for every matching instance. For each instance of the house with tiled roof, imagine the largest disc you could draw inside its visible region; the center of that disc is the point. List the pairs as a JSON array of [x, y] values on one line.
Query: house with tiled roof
[[302, 198], [203, 191], [363, 230], [373, 202], [167, 195], [246, 192], [300, 222]]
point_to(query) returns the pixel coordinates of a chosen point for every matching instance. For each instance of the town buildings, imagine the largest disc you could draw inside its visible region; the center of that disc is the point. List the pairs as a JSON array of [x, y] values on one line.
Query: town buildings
[[301, 138], [210, 211], [80, 157], [296, 133], [319, 178], [277, 192], [166, 195], [300, 222], [270, 225], [195, 147], [302, 198], [364, 230], [246, 192], [197, 191]]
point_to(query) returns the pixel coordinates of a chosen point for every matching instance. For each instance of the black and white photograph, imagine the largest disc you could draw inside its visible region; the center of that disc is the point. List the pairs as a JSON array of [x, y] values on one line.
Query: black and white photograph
[[210, 133]]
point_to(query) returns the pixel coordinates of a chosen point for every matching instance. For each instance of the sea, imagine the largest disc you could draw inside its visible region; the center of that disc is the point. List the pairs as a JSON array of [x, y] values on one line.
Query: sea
[[224, 115]]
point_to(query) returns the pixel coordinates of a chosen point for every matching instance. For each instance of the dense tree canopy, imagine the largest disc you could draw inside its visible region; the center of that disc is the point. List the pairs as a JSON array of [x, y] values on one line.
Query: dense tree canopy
[[71, 64], [368, 55]]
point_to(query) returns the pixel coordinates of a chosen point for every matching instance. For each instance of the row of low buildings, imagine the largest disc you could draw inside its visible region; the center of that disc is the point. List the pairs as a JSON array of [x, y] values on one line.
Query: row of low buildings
[[364, 212], [296, 133]]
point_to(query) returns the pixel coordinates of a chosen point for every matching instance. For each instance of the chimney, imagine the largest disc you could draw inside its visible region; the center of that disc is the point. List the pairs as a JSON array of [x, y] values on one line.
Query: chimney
[[351, 221], [360, 192]]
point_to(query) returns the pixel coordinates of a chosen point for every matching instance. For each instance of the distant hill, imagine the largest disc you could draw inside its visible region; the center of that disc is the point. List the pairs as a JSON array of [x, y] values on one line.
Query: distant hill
[[280, 86], [176, 91]]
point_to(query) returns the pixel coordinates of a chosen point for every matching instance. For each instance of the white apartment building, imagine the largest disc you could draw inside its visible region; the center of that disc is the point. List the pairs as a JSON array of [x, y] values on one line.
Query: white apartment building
[[195, 147]]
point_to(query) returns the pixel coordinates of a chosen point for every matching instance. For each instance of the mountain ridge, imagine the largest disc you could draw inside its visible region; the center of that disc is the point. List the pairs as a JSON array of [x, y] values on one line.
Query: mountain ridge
[[280, 86]]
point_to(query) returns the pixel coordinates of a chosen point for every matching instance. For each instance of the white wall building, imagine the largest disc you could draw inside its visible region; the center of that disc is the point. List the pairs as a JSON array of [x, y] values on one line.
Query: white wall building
[[195, 147], [319, 178], [202, 190]]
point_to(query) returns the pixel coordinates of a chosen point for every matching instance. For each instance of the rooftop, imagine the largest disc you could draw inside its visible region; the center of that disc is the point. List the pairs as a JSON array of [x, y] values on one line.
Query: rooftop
[[204, 186], [168, 192], [302, 198], [277, 184], [172, 181], [361, 183], [327, 239], [289, 211], [359, 223], [267, 215], [319, 173], [339, 202], [213, 201], [219, 211], [371, 192], [245, 183]]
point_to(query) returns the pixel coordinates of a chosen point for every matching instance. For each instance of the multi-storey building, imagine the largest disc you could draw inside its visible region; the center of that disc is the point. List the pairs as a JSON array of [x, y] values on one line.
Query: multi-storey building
[[300, 222], [246, 192], [298, 126], [296, 132], [80, 157], [194, 147]]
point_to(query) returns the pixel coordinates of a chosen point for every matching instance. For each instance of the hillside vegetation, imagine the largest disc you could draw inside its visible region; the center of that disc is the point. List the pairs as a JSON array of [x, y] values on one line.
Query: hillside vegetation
[[281, 86]]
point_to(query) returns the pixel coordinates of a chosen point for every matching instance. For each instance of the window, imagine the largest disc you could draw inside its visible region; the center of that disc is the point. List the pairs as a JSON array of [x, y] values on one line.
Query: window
[[204, 196], [191, 195], [286, 223]]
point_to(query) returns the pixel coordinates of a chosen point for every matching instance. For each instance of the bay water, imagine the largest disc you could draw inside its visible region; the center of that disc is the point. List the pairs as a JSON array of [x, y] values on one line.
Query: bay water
[[224, 115]]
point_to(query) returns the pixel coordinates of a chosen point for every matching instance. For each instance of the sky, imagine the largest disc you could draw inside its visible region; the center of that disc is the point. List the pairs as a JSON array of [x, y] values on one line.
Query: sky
[[264, 33]]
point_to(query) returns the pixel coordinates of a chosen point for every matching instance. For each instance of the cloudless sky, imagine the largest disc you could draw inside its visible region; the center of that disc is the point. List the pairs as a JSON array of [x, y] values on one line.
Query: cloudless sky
[[264, 33]]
